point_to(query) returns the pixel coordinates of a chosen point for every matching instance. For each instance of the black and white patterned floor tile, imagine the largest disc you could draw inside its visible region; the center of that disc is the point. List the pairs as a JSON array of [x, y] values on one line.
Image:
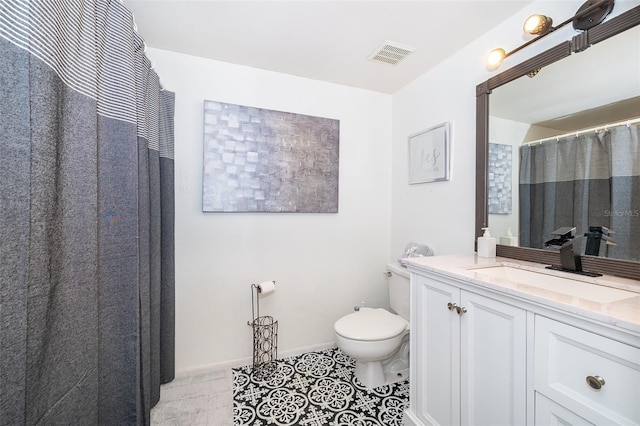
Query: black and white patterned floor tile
[[315, 389]]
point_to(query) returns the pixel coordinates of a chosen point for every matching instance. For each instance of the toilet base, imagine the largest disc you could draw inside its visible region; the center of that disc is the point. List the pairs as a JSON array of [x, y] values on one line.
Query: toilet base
[[374, 374], [397, 376], [370, 374]]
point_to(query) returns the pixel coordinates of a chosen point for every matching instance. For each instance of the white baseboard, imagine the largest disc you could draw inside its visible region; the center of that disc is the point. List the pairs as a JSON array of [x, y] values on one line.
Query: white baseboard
[[305, 349], [410, 419], [240, 362]]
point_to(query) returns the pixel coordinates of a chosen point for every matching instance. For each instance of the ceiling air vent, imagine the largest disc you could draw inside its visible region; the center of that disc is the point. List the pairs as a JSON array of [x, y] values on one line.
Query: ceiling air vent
[[391, 52]]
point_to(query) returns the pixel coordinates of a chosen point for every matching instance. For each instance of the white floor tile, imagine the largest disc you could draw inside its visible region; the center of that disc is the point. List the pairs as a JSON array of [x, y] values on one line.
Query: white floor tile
[[204, 399]]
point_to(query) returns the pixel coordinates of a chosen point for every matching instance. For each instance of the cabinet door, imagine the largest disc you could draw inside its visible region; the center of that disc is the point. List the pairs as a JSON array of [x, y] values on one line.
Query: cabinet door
[[493, 362], [435, 359]]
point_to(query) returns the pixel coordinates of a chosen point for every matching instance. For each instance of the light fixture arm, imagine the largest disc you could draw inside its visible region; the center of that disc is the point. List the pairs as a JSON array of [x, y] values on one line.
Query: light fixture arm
[[578, 15]]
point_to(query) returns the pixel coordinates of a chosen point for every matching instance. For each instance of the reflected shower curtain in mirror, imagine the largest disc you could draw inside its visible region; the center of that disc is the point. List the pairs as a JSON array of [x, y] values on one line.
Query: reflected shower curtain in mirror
[[589, 180], [86, 223]]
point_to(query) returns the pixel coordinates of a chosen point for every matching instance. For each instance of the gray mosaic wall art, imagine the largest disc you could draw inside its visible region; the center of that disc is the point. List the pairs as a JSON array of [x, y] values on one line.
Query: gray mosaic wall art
[[499, 191], [259, 160]]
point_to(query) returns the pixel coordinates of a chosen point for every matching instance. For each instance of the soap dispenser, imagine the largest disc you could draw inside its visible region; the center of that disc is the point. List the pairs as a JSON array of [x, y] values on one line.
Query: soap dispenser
[[486, 245], [509, 239]]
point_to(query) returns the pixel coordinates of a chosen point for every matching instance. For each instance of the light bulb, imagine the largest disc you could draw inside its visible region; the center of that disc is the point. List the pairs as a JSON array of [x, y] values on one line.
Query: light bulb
[[495, 57], [537, 24]]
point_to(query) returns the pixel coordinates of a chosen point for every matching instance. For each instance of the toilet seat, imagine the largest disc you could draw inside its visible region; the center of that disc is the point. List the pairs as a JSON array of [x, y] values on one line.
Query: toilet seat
[[370, 325]]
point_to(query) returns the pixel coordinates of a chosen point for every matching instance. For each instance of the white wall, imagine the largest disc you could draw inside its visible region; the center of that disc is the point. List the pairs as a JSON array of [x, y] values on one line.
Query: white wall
[[441, 214], [323, 264]]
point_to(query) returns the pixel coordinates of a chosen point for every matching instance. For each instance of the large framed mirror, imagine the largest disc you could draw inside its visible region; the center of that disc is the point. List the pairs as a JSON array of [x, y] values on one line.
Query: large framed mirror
[[553, 112]]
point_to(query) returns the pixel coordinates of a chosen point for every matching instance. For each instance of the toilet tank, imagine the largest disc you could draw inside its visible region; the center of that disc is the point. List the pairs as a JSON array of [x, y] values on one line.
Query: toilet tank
[[398, 280]]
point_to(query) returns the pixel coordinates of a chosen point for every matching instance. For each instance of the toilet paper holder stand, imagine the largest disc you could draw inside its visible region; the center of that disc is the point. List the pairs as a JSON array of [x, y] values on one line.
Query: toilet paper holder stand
[[265, 338]]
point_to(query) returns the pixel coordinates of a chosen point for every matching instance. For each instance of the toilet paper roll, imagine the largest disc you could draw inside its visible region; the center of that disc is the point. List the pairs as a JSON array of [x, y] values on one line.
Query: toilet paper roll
[[266, 287]]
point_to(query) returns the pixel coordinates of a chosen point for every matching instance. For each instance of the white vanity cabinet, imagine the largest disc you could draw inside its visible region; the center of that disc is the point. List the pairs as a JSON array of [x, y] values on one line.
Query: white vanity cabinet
[[497, 343], [468, 357]]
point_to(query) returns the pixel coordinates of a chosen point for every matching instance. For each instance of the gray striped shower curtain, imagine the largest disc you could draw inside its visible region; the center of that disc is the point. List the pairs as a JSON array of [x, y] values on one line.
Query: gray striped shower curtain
[[589, 180], [86, 217]]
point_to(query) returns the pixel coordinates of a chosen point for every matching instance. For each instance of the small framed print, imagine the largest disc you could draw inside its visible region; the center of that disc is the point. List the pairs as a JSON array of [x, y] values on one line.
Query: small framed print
[[429, 155]]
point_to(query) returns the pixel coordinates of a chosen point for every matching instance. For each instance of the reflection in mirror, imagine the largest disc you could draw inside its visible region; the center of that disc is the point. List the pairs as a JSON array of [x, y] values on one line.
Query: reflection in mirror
[[547, 172]]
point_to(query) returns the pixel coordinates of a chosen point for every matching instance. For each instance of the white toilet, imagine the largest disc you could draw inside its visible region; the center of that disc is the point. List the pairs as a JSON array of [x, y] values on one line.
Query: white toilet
[[378, 339]]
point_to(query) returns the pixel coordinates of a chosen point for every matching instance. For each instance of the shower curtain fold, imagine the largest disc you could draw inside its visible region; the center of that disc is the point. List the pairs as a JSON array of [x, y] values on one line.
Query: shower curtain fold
[[86, 217]]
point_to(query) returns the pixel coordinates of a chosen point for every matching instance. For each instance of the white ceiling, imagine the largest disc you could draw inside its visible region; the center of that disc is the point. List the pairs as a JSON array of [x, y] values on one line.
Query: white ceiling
[[323, 40]]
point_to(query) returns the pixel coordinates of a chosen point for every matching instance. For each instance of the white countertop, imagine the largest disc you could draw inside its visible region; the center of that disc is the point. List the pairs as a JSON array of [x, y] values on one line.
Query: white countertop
[[615, 301]]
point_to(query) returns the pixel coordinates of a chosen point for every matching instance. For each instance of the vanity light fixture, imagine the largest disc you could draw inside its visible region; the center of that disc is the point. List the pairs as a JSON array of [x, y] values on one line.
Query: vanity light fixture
[[590, 14]]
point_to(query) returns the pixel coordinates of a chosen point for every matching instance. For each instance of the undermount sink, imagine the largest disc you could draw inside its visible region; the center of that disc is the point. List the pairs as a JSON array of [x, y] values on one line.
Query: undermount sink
[[543, 281]]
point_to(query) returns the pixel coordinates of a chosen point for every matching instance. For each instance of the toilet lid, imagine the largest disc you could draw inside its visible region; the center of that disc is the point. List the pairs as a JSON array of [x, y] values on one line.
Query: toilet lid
[[370, 324]]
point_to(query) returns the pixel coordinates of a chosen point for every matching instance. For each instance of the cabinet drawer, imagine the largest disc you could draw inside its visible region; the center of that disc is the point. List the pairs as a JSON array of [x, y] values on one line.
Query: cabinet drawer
[[548, 413], [565, 357]]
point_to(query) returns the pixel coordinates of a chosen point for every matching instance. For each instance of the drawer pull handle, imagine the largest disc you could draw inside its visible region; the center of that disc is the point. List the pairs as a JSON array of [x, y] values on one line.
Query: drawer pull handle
[[452, 306], [595, 382]]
